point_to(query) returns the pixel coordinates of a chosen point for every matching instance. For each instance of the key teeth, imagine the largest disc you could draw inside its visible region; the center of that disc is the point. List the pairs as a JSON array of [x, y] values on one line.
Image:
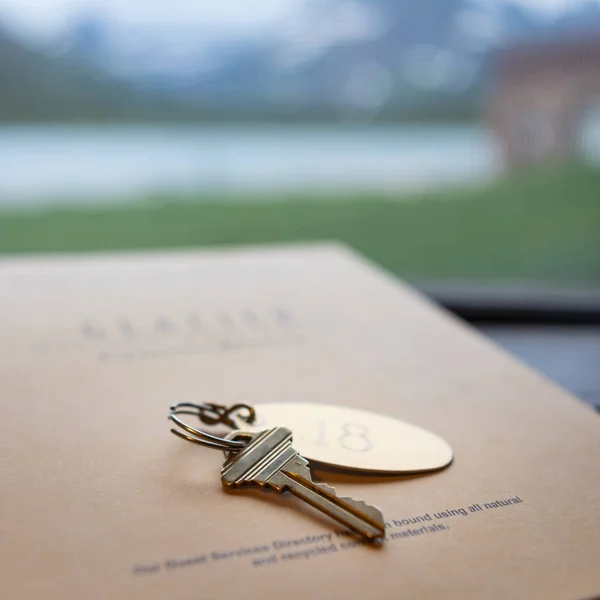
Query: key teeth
[[368, 509], [327, 488], [362, 506]]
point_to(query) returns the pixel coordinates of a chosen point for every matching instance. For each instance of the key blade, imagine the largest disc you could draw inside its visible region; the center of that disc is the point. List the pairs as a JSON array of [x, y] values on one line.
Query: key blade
[[360, 517], [301, 470], [269, 460]]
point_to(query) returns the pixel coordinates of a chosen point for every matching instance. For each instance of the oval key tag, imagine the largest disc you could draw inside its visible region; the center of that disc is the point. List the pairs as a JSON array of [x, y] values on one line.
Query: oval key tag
[[351, 438]]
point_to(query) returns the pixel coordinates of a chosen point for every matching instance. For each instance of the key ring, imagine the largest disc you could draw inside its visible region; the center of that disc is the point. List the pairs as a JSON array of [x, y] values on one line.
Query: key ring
[[211, 414]]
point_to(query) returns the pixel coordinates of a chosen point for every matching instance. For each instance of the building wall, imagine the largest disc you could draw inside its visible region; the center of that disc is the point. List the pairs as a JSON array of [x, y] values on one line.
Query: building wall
[[541, 99]]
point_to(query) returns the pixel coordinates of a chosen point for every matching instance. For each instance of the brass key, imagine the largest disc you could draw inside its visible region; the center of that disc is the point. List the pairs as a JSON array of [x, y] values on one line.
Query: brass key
[[269, 461]]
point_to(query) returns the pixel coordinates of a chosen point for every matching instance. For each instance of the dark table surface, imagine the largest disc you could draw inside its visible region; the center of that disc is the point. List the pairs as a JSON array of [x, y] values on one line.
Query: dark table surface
[[555, 332], [568, 355]]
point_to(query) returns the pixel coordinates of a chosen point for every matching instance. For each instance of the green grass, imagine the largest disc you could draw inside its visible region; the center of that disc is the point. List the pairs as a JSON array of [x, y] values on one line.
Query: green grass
[[542, 225]]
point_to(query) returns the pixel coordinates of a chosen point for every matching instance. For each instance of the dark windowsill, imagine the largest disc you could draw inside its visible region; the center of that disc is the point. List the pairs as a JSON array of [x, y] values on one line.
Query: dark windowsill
[[556, 333]]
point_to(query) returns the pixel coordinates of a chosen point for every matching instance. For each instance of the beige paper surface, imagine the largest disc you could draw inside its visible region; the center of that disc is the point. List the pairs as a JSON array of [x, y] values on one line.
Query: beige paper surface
[[99, 500]]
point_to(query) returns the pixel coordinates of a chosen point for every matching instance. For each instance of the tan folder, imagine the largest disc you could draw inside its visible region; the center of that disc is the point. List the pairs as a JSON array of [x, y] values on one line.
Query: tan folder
[[99, 500]]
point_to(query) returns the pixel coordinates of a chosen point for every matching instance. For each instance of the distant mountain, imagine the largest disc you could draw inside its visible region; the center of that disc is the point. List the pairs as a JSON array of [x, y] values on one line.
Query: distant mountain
[[36, 87], [358, 59], [380, 58]]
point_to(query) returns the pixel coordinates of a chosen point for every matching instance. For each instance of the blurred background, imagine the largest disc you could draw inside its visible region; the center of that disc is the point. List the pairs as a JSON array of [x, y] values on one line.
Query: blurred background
[[455, 142]]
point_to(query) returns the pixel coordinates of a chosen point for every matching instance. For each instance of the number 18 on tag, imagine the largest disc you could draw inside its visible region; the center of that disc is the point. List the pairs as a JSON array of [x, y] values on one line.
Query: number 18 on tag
[[355, 439]]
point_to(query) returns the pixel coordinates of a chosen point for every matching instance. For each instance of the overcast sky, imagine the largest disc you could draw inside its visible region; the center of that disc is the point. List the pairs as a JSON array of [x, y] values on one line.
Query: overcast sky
[[45, 17]]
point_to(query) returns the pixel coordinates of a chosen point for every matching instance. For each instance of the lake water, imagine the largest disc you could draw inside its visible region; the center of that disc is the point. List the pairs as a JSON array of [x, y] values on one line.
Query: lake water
[[45, 164]]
